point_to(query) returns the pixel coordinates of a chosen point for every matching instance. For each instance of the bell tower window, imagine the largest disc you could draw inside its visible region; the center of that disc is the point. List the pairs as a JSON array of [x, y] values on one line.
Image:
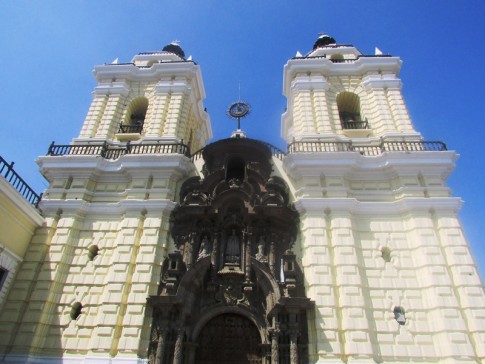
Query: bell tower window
[[135, 116], [348, 105]]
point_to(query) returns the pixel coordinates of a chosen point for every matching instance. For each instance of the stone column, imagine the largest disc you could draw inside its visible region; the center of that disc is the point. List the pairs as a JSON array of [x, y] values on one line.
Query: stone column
[[294, 347], [162, 336], [179, 347], [215, 251], [190, 246], [248, 256], [272, 258], [275, 349], [191, 348]]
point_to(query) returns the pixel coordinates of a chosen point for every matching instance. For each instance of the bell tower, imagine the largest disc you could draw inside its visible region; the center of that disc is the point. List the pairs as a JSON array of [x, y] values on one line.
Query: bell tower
[[156, 97], [382, 248], [89, 269], [337, 93]]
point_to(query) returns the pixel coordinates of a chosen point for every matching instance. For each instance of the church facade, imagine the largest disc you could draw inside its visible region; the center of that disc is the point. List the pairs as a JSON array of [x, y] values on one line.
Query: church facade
[[160, 247]]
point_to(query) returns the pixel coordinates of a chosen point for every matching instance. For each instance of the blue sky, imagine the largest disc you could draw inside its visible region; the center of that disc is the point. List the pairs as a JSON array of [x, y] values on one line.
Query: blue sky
[[48, 49]]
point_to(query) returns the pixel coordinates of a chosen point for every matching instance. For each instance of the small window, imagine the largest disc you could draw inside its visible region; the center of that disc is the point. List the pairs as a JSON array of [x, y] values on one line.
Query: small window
[[76, 310], [337, 58], [386, 254], [399, 315], [92, 252]]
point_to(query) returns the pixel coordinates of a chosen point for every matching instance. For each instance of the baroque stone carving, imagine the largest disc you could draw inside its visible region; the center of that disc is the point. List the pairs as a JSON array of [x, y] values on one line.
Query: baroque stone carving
[[233, 231]]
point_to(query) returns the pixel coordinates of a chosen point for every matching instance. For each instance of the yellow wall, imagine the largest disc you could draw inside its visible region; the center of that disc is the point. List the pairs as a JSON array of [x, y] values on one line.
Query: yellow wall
[[18, 220]]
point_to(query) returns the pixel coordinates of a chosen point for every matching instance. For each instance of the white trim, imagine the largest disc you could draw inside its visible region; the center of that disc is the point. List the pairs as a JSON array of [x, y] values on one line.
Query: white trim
[[103, 209], [352, 205]]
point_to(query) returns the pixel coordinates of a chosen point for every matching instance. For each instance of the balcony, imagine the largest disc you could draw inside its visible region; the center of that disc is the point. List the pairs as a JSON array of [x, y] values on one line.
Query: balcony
[[355, 124], [109, 151], [129, 132], [130, 129]]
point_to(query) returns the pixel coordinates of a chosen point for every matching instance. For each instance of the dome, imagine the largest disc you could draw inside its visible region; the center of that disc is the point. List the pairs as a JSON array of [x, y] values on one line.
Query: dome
[[323, 41], [175, 49]]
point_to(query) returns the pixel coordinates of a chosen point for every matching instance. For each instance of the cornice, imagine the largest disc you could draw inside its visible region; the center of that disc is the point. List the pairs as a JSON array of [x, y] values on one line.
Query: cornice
[[353, 165], [318, 206], [139, 164], [326, 67], [85, 208]]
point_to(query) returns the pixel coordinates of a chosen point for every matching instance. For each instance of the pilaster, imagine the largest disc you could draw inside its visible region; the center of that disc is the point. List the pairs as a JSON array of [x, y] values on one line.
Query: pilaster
[[467, 286], [383, 121], [352, 295], [159, 115], [303, 117], [94, 116], [399, 110], [111, 117], [173, 114], [322, 113], [325, 337]]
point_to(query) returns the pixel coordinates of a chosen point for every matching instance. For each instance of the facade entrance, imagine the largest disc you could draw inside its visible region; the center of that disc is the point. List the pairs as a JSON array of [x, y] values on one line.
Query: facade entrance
[[229, 338], [232, 260]]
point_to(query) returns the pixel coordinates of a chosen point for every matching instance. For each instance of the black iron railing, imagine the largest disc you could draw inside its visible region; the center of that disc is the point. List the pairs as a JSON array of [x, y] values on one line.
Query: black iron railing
[[385, 146], [108, 151], [355, 124], [125, 129], [12, 177]]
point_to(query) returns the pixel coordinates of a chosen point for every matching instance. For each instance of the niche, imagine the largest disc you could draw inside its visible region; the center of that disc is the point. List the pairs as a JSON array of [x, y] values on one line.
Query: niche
[[235, 168], [76, 310]]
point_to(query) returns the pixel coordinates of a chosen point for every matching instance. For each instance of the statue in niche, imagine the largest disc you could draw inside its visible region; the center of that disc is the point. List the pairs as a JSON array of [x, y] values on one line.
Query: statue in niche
[[232, 248], [204, 248], [260, 256]]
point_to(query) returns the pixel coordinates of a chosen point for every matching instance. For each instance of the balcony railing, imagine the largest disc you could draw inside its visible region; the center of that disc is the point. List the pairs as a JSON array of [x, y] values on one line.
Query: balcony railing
[[115, 151], [368, 150], [355, 124], [129, 129], [12, 177]]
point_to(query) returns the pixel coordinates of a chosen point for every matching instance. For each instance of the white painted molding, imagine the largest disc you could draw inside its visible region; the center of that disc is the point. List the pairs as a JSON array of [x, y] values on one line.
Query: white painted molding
[[81, 207], [312, 206]]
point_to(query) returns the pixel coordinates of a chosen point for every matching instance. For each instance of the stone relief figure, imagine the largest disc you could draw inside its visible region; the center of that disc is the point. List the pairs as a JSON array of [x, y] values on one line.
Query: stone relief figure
[[232, 246], [204, 249], [260, 256]]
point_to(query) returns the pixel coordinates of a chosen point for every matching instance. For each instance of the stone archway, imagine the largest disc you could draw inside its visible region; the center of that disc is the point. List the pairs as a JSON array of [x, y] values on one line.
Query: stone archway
[[229, 338]]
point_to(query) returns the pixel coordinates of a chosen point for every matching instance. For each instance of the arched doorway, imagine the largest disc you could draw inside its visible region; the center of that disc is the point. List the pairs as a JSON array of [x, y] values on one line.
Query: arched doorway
[[229, 338]]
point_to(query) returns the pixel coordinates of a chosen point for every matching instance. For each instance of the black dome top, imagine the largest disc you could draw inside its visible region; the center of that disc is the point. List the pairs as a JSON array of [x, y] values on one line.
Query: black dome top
[[323, 40], [175, 49]]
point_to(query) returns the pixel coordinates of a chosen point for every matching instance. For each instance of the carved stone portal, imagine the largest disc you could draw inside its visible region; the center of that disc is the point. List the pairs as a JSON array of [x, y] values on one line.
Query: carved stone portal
[[232, 291]]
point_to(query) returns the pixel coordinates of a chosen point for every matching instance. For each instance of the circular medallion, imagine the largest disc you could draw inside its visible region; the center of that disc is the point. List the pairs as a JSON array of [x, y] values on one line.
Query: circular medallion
[[238, 110]]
